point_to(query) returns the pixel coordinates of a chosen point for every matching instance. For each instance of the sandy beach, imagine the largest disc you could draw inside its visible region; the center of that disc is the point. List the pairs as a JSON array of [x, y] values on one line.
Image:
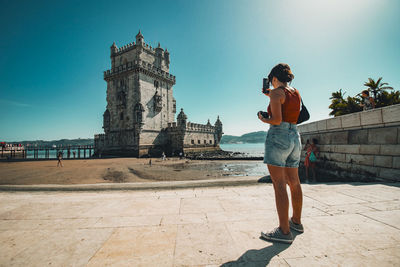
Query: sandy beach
[[123, 170]]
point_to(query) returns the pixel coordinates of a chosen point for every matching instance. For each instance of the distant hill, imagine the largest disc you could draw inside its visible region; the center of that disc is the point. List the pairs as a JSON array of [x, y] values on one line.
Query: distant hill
[[254, 137], [62, 142]]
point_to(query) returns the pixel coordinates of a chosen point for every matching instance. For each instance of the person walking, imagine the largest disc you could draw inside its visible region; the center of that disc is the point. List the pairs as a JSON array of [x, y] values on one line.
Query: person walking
[[282, 152], [59, 157]]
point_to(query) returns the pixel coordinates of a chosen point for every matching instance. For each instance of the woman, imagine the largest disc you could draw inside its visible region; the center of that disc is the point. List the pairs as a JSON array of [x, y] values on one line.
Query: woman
[[282, 152], [312, 154], [367, 101]]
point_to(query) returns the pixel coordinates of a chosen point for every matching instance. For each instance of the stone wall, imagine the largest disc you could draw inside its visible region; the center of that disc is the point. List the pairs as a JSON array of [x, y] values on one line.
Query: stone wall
[[363, 146]]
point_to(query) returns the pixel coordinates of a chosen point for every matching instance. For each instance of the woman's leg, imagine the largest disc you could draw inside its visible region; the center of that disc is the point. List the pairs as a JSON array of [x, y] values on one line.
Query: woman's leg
[[306, 172], [313, 172], [281, 198], [292, 177]]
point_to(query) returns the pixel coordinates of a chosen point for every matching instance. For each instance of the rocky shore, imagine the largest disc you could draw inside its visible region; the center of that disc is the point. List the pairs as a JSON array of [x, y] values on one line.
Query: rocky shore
[[220, 155]]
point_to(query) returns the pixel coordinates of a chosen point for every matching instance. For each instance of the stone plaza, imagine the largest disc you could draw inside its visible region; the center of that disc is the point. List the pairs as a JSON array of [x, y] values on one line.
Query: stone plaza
[[347, 224]]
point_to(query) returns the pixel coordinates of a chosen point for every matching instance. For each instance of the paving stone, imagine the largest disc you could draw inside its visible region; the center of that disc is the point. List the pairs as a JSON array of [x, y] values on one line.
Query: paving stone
[[200, 205], [61, 247], [143, 246], [187, 218], [389, 217], [384, 205], [120, 221], [208, 244], [334, 198], [354, 223]]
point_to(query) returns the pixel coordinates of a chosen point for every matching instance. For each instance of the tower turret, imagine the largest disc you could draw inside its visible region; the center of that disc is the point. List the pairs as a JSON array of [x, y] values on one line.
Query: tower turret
[[218, 129], [139, 39], [114, 49], [181, 119], [166, 57]]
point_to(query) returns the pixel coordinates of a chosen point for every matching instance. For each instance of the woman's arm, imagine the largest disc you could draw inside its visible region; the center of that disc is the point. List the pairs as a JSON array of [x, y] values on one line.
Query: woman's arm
[[277, 98], [372, 102]]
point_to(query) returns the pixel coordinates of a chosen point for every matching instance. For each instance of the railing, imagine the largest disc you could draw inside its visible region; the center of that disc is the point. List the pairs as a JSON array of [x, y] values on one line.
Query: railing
[[69, 152]]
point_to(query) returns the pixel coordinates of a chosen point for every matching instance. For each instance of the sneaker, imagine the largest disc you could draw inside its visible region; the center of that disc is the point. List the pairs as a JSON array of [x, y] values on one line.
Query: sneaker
[[277, 236], [297, 227]]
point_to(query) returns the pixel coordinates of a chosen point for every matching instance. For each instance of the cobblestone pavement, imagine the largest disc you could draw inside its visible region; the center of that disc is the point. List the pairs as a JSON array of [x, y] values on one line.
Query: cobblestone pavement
[[345, 224]]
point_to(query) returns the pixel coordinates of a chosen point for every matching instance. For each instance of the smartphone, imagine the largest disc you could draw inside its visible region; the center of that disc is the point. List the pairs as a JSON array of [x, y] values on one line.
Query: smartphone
[[265, 86]]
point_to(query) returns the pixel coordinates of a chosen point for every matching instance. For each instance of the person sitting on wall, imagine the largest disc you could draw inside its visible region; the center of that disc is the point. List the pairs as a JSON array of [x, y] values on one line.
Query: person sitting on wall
[[311, 157], [367, 101]]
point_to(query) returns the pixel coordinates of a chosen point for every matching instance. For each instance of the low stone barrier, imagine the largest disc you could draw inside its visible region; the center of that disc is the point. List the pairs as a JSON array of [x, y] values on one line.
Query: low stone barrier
[[362, 146]]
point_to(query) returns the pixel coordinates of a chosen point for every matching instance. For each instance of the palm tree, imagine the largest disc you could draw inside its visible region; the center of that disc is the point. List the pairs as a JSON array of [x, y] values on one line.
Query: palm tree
[[377, 87], [338, 104]]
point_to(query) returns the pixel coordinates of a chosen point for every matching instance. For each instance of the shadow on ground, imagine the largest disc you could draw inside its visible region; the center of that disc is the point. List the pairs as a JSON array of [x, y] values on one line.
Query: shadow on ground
[[259, 257]]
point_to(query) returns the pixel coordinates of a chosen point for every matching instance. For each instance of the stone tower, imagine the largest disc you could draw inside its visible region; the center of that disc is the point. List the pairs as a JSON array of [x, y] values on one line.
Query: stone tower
[[140, 115], [139, 97]]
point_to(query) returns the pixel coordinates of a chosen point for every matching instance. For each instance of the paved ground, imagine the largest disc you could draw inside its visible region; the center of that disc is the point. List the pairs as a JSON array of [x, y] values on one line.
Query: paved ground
[[345, 224]]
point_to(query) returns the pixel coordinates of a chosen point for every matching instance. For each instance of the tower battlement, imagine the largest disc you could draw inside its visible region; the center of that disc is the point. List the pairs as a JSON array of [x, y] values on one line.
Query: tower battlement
[[139, 65]]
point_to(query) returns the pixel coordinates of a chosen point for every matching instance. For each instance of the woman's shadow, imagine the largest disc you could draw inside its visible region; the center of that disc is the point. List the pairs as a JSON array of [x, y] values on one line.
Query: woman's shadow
[[260, 257]]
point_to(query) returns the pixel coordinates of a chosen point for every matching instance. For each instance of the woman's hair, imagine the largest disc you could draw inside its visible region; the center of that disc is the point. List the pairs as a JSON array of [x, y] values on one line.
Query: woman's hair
[[282, 72], [365, 92]]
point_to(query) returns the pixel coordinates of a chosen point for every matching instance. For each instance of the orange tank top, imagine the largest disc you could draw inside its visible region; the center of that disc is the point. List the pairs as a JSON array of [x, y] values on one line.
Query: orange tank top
[[291, 107]]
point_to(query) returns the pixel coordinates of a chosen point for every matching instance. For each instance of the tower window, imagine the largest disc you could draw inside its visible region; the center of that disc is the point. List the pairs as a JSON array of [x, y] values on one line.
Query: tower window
[[192, 142], [205, 141], [121, 116], [198, 141], [210, 141]]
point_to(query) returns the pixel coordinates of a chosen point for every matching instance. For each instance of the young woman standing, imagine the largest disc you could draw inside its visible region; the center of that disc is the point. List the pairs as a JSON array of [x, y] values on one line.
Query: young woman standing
[[282, 152]]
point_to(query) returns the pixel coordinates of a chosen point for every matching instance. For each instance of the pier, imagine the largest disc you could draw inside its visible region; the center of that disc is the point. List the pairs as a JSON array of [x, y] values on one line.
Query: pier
[[69, 152]]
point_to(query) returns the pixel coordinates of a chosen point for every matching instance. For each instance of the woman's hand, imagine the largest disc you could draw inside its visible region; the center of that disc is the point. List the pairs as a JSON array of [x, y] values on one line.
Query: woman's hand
[[267, 91], [261, 117]]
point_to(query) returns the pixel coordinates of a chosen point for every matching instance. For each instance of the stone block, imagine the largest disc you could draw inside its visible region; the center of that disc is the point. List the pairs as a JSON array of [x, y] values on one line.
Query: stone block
[[390, 174], [371, 117], [351, 149], [398, 135], [383, 161], [390, 150], [391, 114], [312, 127], [321, 125], [386, 135], [339, 138], [396, 163], [351, 120], [326, 148], [358, 137], [334, 123], [337, 157], [364, 169], [360, 159], [310, 137], [370, 149], [302, 128]]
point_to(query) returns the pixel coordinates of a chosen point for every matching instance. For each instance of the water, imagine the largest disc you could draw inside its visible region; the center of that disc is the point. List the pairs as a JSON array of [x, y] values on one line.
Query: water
[[250, 149]]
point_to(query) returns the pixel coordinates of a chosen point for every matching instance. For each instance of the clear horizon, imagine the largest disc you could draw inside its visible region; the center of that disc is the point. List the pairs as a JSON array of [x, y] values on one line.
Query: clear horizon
[[54, 55]]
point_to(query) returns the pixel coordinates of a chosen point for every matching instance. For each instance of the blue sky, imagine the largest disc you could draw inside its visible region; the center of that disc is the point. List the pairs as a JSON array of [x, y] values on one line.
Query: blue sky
[[54, 54]]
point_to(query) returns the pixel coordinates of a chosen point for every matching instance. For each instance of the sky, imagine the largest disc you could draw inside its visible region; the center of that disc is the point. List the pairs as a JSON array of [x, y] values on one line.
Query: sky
[[53, 54]]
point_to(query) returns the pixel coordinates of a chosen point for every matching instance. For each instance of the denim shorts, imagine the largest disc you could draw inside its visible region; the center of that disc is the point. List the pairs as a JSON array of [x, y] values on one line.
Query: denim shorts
[[283, 146]]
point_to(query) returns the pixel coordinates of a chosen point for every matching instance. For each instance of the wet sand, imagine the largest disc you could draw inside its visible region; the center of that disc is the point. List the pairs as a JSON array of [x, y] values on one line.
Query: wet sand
[[123, 170]]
